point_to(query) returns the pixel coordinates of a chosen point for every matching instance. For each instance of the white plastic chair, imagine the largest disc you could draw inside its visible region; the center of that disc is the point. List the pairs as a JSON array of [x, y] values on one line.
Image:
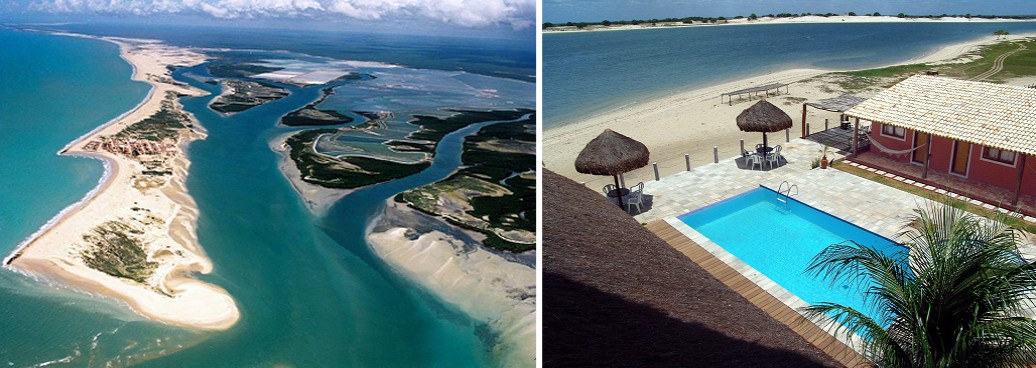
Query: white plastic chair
[[635, 197], [774, 157], [753, 159]]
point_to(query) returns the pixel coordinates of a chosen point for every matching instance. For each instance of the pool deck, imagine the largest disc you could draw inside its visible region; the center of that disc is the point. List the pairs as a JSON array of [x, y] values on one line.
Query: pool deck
[[873, 206], [774, 306]]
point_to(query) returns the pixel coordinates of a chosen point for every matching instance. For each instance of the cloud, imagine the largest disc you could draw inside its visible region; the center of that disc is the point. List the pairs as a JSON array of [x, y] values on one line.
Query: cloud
[[518, 14]]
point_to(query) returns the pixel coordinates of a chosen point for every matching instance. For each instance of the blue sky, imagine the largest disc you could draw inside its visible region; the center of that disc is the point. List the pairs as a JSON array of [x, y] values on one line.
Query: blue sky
[[457, 17], [560, 11]]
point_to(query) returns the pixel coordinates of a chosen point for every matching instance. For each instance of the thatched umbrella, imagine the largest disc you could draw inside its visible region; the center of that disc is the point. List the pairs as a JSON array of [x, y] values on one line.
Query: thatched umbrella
[[612, 154], [763, 117]]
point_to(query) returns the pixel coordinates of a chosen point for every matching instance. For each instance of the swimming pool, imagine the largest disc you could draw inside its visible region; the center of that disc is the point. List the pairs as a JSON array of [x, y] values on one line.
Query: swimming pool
[[779, 241]]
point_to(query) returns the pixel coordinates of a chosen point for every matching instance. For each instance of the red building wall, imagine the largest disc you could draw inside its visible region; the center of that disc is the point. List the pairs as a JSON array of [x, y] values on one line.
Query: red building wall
[[979, 170]]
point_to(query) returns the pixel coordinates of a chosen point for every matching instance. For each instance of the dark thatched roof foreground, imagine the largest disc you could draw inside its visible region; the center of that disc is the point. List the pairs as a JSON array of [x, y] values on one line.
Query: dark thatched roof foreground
[[612, 153], [763, 117], [614, 294]]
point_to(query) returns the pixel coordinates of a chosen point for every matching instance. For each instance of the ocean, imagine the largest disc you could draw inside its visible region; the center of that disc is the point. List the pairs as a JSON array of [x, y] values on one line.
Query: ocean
[[589, 73], [310, 291]]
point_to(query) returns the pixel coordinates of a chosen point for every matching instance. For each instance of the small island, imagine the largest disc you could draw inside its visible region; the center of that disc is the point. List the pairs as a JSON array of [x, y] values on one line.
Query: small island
[[310, 115], [495, 191], [241, 95], [354, 168]]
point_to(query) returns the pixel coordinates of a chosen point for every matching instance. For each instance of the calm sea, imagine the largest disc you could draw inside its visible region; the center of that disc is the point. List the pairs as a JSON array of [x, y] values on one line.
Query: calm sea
[[310, 291], [590, 73]]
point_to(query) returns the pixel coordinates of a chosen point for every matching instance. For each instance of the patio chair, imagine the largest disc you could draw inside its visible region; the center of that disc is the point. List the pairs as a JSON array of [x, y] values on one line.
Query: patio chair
[[774, 157], [608, 189], [635, 197], [752, 160]]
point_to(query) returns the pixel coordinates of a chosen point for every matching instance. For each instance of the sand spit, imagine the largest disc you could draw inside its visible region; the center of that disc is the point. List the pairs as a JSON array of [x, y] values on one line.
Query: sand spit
[[157, 209], [495, 289]]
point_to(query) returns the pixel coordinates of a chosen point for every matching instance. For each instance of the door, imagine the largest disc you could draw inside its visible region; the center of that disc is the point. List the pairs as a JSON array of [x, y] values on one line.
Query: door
[[961, 157], [920, 154]]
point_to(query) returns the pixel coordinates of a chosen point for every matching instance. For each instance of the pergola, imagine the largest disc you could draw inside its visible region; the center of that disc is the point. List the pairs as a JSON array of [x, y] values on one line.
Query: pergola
[[753, 91], [987, 114], [838, 104]]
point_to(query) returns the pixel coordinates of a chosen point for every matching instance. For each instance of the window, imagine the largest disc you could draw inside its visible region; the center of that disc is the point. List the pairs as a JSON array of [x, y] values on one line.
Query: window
[[998, 155], [891, 131]]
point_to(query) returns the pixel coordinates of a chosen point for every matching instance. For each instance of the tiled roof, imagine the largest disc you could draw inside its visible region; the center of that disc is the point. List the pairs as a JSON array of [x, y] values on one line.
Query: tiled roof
[[987, 114]]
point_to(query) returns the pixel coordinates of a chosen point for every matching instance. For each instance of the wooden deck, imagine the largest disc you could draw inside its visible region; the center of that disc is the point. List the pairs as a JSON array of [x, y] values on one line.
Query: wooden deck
[[759, 297]]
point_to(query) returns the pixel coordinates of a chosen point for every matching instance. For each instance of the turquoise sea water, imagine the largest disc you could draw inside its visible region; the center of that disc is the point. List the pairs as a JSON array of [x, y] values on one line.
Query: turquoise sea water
[[590, 73], [310, 291], [780, 241]]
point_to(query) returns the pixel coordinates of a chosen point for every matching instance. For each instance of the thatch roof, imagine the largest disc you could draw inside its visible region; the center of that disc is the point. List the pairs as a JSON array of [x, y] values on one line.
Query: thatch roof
[[987, 114], [763, 117], [612, 153], [614, 294]]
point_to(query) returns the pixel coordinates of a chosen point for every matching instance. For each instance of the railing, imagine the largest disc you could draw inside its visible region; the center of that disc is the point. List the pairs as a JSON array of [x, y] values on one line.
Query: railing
[[786, 192], [702, 156]]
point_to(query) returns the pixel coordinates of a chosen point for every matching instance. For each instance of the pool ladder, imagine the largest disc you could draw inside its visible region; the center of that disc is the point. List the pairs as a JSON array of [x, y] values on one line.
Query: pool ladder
[[785, 192]]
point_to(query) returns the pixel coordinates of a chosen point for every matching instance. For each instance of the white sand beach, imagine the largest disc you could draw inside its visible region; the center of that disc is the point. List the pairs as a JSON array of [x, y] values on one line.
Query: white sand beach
[[317, 198], [157, 207], [782, 20], [484, 285], [695, 121]]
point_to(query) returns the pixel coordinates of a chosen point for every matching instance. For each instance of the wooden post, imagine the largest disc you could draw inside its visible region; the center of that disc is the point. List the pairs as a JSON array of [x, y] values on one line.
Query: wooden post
[[787, 135], [927, 157], [622, 180], [687, 159], [715, 154], [803, 121], [655, 165], [826, 127], [856, 138], [742, 146], [1018, 187]]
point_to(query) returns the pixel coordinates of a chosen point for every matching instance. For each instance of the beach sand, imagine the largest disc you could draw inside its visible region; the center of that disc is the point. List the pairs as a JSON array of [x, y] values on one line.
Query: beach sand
[[317, 198], [498, 289], [783, 20], [166, 214], [695, 121]]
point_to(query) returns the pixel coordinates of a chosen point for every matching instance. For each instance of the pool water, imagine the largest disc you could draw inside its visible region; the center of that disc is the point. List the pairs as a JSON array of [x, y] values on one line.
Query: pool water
[[780, 240]]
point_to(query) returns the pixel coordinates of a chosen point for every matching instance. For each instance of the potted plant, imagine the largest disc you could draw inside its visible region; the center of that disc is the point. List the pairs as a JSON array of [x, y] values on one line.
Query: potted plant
[[823, 159]]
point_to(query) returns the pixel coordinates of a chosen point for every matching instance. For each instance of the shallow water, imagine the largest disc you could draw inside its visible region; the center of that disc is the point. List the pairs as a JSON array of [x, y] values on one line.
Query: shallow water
[[309, 289], [590, 73]]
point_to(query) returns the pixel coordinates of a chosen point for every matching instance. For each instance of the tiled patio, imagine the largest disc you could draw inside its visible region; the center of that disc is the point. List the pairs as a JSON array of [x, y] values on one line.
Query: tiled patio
[[873, 206]]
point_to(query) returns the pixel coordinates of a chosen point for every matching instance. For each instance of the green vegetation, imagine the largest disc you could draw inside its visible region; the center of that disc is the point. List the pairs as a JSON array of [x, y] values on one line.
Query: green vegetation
[[956, 294], [226, 69], [498, 181], [166, 123], [752, 17], [350, 172], [355, 172], [310, 115], [114, 251], [1021, 62], [245, 95], [434, 128]]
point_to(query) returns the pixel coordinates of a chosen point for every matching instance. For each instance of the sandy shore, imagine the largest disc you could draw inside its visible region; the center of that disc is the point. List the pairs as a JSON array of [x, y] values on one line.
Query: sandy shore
[[317, 198], [496, 289], [695, 121], [773, 20], [158, 207]]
